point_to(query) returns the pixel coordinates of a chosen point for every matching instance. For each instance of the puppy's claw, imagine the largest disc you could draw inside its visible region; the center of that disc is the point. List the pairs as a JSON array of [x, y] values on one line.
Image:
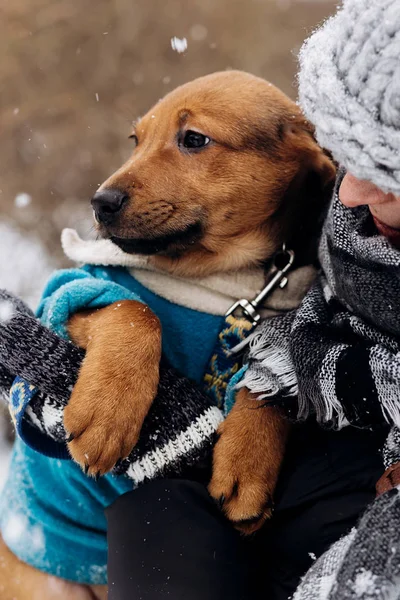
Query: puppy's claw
[[97, 476], [86, 469], [253, 524], [70, 438], [221, 501]]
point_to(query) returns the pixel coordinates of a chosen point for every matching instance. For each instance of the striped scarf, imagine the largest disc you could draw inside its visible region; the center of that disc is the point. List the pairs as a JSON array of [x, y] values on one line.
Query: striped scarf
[[339, 353]]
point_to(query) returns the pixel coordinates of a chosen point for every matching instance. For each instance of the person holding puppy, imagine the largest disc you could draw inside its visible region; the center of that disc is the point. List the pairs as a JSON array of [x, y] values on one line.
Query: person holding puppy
[[343, 344], [336, 361], [340, 348]]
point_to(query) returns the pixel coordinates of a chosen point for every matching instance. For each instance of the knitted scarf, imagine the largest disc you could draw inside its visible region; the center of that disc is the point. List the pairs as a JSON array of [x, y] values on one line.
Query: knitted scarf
[[339, 353]]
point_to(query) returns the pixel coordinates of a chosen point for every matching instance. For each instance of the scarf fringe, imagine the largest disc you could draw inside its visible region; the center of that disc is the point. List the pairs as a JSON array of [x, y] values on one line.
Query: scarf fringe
[[326, 412], [391, 410], [327, 407], [277, 374]]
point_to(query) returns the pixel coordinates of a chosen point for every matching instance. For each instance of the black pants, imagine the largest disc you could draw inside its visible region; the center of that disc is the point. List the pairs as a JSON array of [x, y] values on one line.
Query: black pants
[[168, 539]]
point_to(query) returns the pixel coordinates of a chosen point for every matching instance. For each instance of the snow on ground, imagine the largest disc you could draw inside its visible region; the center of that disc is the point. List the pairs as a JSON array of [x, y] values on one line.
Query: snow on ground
[[24, 263], [24, 268]]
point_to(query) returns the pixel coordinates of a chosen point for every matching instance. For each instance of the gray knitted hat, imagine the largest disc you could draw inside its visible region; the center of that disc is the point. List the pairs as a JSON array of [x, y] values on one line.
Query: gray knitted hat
[[349, 88]]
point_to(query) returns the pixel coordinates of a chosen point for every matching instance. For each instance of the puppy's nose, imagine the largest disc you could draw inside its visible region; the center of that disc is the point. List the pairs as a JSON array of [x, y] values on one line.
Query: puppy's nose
[[107, 203]]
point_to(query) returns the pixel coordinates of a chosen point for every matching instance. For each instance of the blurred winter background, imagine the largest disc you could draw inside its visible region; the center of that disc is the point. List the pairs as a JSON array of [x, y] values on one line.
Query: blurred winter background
[[75, 73]]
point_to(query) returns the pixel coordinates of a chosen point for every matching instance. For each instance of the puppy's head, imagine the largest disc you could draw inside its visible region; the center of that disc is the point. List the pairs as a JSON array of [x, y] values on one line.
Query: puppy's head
[[224, 169]]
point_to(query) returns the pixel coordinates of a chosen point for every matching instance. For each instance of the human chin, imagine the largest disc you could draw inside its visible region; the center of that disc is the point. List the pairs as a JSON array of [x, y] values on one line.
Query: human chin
[[388, 212]]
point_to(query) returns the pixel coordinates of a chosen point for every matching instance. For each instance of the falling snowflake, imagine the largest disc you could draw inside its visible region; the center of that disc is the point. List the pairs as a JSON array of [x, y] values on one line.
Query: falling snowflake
[[22, 200], [179, 45], [15, 527], [365, 584], [6, 311], [312, 556], [198, 33], [138, 78]]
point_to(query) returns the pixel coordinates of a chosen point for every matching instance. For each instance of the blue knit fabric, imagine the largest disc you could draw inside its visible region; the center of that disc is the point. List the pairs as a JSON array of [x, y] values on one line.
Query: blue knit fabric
[[51, 514], [230, 394]]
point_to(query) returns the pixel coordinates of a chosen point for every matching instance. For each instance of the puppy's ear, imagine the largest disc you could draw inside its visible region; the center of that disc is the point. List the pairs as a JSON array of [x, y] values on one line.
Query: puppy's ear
[[308, 196], [300, 138]]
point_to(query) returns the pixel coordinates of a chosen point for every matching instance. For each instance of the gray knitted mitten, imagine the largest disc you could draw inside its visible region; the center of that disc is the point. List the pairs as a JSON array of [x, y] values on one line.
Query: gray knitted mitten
[[178, 432]]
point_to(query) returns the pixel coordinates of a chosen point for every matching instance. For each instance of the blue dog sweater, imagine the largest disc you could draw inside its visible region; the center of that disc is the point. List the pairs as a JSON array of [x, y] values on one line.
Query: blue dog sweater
[[51, 514]]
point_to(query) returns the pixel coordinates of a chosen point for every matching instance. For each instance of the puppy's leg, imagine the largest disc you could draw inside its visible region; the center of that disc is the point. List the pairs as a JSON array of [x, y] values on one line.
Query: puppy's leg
[[100, 592], [247, 460], [19, 581], [117, 382]]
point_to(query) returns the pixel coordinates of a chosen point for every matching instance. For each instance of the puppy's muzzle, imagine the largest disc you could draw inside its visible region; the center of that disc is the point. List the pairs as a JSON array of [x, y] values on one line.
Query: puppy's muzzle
[[107, 204]]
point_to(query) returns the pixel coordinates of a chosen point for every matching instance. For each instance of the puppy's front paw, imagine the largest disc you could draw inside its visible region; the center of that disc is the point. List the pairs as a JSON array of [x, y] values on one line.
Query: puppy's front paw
[[100, 433], [117, 382], [246, 463], [105, 415], [240, 482]]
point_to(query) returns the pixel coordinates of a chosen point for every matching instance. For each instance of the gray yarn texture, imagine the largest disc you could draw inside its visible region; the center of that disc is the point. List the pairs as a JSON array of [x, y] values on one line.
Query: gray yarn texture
[[349, 88]]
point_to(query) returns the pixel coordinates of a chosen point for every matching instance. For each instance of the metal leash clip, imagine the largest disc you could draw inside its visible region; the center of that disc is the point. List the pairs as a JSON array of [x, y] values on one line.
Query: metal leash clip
[[283, 262]]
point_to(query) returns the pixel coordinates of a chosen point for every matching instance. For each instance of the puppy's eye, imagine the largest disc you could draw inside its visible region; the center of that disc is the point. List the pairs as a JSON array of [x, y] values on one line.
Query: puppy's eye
[[194, 140], [134, 137]]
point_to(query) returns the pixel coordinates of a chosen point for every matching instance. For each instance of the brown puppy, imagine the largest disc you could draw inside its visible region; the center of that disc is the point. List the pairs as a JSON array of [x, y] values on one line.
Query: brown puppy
[[221, 168], [224, 171]]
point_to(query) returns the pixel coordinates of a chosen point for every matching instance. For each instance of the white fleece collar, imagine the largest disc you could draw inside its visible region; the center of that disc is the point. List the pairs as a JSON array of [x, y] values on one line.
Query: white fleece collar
[[98, 252], [214, 294]]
